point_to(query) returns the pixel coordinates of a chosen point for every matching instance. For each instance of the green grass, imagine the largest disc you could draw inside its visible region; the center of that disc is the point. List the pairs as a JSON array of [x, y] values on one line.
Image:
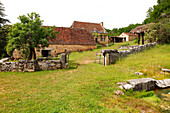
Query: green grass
[[86, 86]]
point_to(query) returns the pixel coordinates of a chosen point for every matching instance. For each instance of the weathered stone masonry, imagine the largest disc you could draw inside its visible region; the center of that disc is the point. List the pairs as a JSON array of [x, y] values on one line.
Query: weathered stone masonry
[[32, 65], [110, 56]]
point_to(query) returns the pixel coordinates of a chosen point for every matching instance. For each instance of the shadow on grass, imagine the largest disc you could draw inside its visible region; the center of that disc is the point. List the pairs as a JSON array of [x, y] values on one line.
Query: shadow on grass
[[73, 64]]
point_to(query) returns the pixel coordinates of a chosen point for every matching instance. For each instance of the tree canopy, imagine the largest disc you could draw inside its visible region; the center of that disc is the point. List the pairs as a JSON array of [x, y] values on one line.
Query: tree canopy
[[29, 34], [158, 12], [2, 15]]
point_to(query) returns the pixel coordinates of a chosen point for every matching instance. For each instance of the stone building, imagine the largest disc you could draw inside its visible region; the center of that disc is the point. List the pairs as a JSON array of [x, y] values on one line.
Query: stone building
[[140, 31], [128, 36], [69, 39], [97, 29]]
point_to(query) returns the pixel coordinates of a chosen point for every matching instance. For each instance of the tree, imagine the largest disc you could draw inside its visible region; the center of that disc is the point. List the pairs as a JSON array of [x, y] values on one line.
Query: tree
[[159, 32], [158, 12], [4, 30], [2, 14], [28, 35]]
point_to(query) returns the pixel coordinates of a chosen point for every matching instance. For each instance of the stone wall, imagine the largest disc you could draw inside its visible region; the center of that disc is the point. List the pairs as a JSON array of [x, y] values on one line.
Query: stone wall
[[55, 49], [110, 56], [32, 65]]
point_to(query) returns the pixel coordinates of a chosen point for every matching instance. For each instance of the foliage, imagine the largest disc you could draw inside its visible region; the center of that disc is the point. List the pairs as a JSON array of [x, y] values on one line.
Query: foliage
[[2, 15], [159, 32], [3, 40], [28, 35], [158, 12], [138, 94], [117, 32]]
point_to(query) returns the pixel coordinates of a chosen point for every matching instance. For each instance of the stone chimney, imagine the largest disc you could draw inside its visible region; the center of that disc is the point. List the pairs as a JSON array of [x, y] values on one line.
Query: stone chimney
[[101, 23]]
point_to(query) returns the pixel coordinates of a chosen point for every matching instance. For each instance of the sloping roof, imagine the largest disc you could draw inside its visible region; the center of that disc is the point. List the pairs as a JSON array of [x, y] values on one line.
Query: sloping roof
[[141, 28], [92, 27], [116, 37], [71, 36], [130, 34]]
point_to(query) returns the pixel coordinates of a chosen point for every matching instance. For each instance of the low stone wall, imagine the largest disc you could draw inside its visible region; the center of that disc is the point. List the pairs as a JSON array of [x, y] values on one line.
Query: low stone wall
[[110, 56], [32, 65], [146, 84]]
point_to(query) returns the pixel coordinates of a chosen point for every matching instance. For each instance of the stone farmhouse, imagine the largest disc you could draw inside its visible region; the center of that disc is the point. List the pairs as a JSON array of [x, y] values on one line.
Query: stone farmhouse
[[128, 36], [69, 39], [97, 29]]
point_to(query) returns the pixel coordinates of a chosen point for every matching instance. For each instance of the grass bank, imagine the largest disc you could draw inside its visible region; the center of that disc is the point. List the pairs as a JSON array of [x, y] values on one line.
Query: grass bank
[[86, 86]]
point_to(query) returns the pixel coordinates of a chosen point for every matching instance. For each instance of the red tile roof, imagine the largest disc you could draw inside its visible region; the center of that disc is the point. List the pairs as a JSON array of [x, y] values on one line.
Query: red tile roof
[[92, 27], [71, 36]]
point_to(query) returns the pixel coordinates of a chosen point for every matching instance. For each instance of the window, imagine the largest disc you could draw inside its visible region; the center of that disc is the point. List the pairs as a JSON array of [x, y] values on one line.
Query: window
[[46, 53], [102, 39]]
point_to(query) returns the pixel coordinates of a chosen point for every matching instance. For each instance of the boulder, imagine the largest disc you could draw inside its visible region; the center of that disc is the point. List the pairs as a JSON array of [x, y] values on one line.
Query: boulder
[[163, 83], [128, 86], [143, 84], [4, 60]]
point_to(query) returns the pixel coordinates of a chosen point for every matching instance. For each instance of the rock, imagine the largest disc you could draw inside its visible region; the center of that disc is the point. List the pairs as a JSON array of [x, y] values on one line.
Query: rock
[[119, 92], [138, 73], [163, 83], [143, 84], [166, 70], [109, 51], [121, 83], [127, 86], [4, 60]]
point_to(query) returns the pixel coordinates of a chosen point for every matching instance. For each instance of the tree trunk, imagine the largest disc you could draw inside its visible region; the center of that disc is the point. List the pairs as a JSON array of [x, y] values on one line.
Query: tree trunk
[[30, 54], [34, 53]]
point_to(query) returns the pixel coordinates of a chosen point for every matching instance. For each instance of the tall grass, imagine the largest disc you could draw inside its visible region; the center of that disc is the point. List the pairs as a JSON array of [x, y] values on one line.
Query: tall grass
[[85, 87]]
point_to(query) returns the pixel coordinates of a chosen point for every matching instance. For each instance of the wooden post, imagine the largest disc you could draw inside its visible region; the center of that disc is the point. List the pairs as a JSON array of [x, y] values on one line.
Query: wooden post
[[142, 38], [138, 38]]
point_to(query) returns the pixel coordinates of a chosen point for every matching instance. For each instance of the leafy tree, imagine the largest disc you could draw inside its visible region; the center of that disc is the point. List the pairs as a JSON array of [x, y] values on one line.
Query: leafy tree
[[3, 40], [159, 32], [158, 12], [28, 35], [2, 15]]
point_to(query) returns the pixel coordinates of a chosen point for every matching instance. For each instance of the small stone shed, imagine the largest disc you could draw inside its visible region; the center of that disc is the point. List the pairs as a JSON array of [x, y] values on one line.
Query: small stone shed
[[140, 31]]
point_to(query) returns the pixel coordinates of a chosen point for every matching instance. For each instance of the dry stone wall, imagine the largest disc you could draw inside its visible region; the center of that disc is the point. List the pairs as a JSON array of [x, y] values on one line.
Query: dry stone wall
[[110, 56], [34, 65]]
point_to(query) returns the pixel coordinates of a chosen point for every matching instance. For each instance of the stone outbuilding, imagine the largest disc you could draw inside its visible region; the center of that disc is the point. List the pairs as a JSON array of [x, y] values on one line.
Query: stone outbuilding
[[97, 29], [69, 39], [140, 31]]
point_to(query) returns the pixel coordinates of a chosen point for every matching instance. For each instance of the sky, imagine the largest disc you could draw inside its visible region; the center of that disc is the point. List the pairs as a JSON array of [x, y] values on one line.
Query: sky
[[62, 13]]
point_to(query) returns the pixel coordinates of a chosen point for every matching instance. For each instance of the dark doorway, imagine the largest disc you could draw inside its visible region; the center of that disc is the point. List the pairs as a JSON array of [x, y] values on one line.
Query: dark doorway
[[96, 39], [46, 53]]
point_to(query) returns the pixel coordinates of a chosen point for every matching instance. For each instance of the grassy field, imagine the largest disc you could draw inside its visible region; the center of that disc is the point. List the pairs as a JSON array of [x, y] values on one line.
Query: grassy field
[[86, 86]]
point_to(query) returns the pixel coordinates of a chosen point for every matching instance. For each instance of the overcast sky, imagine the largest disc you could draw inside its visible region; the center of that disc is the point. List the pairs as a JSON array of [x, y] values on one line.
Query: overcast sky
[[62, 13]]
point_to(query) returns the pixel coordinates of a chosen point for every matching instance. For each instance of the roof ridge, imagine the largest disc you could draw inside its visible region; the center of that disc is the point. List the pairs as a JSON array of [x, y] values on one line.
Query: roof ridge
[[86, 22]]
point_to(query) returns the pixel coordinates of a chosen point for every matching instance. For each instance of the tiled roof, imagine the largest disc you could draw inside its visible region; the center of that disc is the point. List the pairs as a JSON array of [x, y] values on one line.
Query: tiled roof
[[71, 36], [130, 34], [141, 28], [92, 27]]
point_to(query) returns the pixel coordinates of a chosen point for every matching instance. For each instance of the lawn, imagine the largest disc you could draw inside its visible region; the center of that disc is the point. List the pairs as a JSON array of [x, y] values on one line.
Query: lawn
[[86, 86]]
